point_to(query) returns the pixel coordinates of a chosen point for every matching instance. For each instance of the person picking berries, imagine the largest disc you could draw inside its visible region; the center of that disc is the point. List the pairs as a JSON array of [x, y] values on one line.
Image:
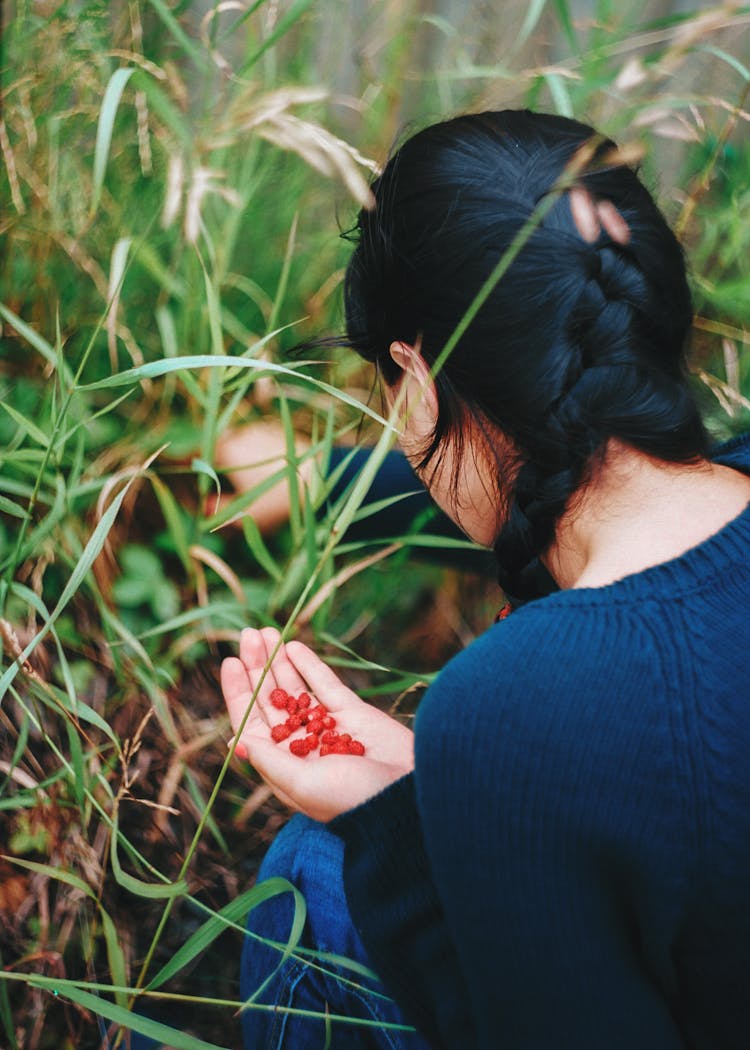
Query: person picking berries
[[557, 858]]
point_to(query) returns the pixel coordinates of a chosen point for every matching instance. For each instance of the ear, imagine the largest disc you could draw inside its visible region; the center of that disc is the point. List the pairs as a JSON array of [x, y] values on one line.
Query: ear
[[420, 387]]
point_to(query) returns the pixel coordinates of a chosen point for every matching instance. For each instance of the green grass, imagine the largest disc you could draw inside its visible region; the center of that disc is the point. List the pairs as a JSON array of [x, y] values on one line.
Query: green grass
[[169, 231]]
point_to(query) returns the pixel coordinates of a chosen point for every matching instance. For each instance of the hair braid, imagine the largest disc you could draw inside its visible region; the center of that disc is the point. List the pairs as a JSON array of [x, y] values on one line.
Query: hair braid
[[578, 343], [612, 389]]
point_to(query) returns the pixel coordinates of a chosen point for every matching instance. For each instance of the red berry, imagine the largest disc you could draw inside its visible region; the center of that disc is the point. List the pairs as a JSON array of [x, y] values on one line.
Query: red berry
[[329, 737], [314, 725], [329, 722], [319, 711], [304, 700], [340, 748], [356, 748], [280, 732], [345, 738], [325, 749], [293, 722], [279, 698], [299, 748], [291, 705], [312, 741]]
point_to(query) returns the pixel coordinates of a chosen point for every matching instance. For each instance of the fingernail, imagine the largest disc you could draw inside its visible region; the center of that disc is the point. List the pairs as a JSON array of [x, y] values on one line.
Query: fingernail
[[584, 214]]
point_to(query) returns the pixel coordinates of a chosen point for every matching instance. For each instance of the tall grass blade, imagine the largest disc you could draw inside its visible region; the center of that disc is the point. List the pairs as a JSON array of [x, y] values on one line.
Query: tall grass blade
[[26, 425], [232, 913], [133, 1022], [154, 369], [6, 1014], [191, 49], [152, 890], [563, 14], [282, 27], [39, 343], [90, 552], [107, 115], [533, 13], [259, 550]]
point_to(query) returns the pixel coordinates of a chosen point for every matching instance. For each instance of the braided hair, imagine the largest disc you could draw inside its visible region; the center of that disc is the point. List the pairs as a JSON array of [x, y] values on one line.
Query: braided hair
[[578, 342]]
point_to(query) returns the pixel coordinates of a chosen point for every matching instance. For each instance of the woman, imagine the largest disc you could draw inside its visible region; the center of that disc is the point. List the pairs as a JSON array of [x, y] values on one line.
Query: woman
[[558, 857]]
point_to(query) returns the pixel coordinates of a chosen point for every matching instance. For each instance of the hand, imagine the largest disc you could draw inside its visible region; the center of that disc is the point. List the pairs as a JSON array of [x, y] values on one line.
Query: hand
[[321, 787]]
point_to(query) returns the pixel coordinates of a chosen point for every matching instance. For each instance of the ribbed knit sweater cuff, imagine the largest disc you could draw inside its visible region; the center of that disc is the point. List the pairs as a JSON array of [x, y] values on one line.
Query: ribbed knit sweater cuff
[[362, 825], [396, 910]]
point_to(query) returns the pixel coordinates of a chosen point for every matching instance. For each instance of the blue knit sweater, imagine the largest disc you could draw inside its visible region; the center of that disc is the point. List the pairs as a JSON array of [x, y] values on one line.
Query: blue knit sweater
[[568, 868]]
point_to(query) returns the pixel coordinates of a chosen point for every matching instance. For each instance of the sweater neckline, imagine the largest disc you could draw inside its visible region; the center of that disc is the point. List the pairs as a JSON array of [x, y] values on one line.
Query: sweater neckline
[[723, 551]]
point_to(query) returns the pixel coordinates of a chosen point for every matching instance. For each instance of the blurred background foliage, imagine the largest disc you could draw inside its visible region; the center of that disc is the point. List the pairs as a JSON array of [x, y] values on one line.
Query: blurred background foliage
[[174, 178]]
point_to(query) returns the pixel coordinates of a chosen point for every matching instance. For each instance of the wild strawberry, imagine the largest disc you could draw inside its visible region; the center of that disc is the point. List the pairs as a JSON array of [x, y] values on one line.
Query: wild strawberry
[[279, 698], [329, 722], [291, 705], [356, 748], [280, 732], [314, 725], [325, 749], [329, 737], [345, 738], [318, 712], [312, 741], [304, 700], [293, 722], [340, 748], [299, 748]]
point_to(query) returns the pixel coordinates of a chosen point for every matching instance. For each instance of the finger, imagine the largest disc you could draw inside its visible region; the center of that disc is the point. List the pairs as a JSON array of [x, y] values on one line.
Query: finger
[[584, 214], [327, 686], [613, 222], [238, 696], [253, 656], [285, 673]]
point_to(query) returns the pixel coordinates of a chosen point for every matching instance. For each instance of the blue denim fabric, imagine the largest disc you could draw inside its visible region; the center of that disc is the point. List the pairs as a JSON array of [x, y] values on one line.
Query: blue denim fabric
[[311, 857]]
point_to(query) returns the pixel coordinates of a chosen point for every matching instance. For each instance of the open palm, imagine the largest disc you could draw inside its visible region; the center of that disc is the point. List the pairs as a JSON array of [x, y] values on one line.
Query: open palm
[[320, 786]]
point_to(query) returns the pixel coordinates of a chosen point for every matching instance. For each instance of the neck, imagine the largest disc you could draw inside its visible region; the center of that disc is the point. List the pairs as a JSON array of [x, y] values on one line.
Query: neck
[[638, 511]]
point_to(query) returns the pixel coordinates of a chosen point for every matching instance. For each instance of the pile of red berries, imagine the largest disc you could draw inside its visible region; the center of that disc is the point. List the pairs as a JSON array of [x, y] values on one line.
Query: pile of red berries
[[319, 725]]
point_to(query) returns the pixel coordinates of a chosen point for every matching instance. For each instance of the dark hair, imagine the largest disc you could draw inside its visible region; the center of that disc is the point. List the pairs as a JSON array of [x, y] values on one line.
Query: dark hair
[[577, 343]]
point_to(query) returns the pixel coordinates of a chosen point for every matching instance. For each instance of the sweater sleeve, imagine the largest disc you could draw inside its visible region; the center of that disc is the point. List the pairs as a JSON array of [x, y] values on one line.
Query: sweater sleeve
[[398, 915], [552, 825], [524, 888]]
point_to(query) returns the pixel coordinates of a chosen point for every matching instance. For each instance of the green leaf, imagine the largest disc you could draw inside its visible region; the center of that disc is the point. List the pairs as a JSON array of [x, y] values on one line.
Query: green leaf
[[6, 1014], [229, 915], [79, 777], [283, 26], [59, 874], [731, 60], [151, 890], [174, 517], [7, 506], [154, 369], [134, 1022], [560, 94], [26, 425], [107, 115], [115, 958], [34, 339], [201, 467], [563, 13], [90, 552], [534, 11], [191, 49], [259, 550]]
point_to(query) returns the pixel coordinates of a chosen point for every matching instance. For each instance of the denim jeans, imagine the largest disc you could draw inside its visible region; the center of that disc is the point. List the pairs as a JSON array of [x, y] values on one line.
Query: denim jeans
[[311, 857]]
